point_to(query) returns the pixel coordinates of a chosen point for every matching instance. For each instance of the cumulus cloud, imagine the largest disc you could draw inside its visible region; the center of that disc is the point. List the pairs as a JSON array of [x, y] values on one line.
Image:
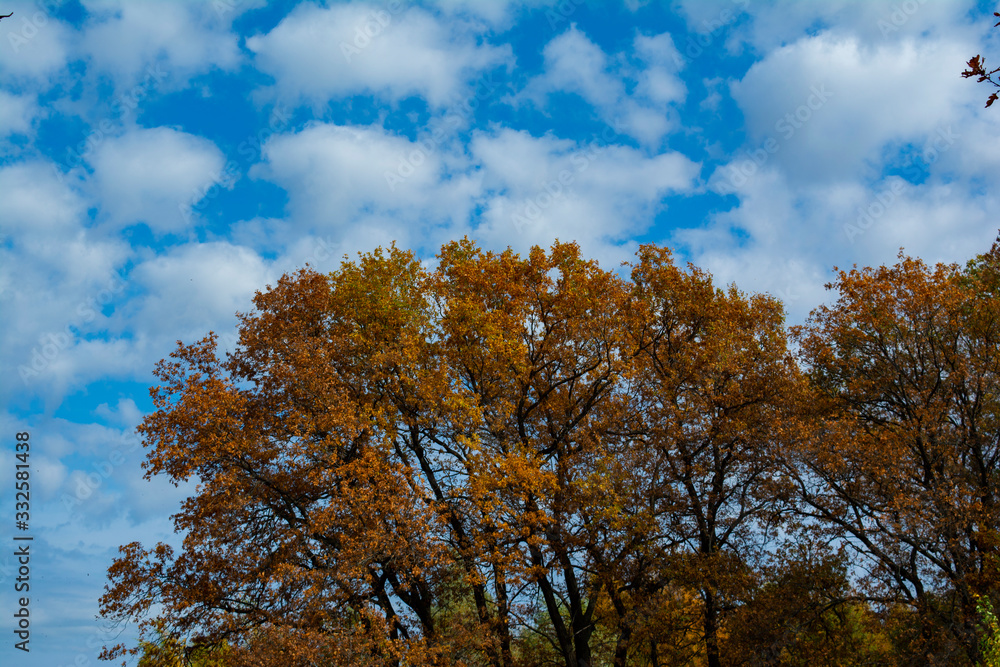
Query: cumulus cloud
[[150, 175], [52, 267], [496, 13], [807, 199], [195, 287], [598, 193], [809, 95], [317, 54], [733, 25], [123, 38], [125, 412], [658, 80], [36, 45], [120, 328], [16, 113], [34, 197], [368, 185], [332, 171], [575, 64], [785, 237]]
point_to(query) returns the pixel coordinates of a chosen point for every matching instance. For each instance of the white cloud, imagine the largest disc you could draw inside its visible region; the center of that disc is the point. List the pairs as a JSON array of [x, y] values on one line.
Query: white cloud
[[354, 180], [336, 179], [192, 289], [541, 189], [812, 179], [73, 340], [767, 26], [125, 413], [34, 45], [122, 38], [496, 13], [49, 475], [810, 95], [318, 54], [658, 81], [34, 198], [778, 240], [334, 170], [149, 175], [575, 64], [16, 113], [786, 237], [52, 267]]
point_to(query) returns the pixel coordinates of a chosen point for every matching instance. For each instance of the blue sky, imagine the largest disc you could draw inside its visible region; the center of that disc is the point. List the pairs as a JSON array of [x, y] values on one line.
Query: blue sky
[[162, 161]]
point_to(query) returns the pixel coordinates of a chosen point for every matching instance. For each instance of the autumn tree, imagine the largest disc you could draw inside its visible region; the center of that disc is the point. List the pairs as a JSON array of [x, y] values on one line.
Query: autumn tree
[[802, 610], [305, 525], [503, 461], [714, 382], [903, 458], [387, 448]]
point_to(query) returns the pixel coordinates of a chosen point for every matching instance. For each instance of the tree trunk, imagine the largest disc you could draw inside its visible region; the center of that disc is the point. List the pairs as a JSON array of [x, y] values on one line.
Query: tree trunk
[[712, 630]]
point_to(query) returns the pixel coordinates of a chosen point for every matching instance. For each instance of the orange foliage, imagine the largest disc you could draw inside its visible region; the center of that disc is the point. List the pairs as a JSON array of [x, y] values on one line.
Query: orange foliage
[[903, 462], [521, 461]]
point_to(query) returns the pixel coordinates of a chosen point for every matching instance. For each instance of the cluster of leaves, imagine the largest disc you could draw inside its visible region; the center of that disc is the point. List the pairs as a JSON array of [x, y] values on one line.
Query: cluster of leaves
[[991, 633], [977, 68], [532, 461]]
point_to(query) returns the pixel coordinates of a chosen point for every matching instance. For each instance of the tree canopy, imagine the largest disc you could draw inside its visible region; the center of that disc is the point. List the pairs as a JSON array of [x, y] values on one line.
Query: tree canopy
[[534, 461]]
